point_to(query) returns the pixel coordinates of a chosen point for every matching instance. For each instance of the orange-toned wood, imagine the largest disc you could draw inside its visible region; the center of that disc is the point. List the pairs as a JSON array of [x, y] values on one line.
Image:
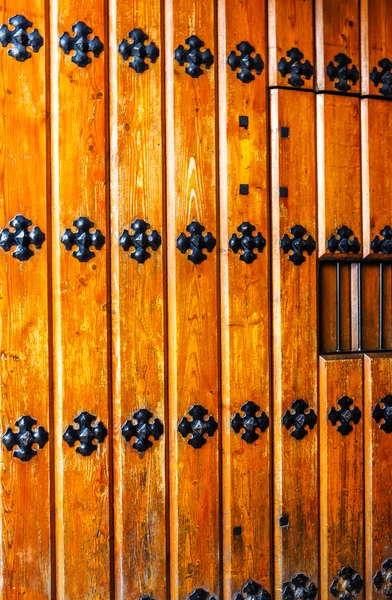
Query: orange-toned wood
[[376, 179], [329, 335], [245, 315], [370, 306], [341, 474], [376, 42], [378, 501], [294, 336], [337, 32], [338, 170], [290, 25], [25, 559], [387, 313], [80, 307], [137, 305], [192, 303]]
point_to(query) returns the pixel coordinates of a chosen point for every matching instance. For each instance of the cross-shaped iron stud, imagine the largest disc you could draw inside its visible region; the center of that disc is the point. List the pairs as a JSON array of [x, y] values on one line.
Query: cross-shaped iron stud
[[21, 238], [252, 590], [384, 413], [140, 240], [198, 427], [384, 246], [297, 244], [247, 242], [295, 68], [245, 62], [83, 239], [19, 38], [194, 56], [142, 430], [250, 422], [25, 438], [343, 243], [342, 72], [138, 51], [86, 433], [81, 44], [299, 419], [345, 416], [347, 585], [384, 76], [196, 242]]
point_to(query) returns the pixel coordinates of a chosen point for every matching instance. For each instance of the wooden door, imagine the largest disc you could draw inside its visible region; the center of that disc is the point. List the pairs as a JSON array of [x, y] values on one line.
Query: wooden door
[[196, 299]]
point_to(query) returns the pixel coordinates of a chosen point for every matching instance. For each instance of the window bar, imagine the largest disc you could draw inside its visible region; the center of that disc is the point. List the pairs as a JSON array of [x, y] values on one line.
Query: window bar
[[359, 308], [337, 307], [381, 306]]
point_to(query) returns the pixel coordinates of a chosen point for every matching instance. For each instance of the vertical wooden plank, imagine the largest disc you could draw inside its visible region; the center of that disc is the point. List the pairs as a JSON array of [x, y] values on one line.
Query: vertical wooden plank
[[339, 176], [25, 561], [244, 300], [137, 299], [80, 294], [192, 299], [378, 499], [376, 180], [291, 43], [341, 476], [293, 187], [376, 45], [337, 45]]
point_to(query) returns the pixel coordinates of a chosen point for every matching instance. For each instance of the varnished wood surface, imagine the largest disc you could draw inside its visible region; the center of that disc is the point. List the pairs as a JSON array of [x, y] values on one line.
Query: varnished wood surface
[[138, 307], [376, 182], [376, 43], [378, 501], [25, 560], [192, 304], [80, 309], [341, 474], [337, 31], [245, 315], [338, 170], [294, 336], [290, 25]]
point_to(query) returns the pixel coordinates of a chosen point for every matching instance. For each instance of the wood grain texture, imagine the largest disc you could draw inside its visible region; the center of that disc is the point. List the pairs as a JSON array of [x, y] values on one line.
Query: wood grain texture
[[376, 119], [290, 25], [341, 474], [80, 308], [338, 169], [376, 42], [245, 315], [137, 305], [192, 304], [25, 560], [294, 336], [378, 499], [337, 31]]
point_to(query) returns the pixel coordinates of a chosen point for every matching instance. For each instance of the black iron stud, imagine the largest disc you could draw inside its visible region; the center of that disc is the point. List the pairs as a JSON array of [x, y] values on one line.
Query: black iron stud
[[295, 68], [198, 427], [146, 597], [21, 238], [347, 584], [383, 77], [384, 413], [250, 422], [140, 240], [383, 579], [142, 430], [342, 72], [343, 243], [86, 433], [19, 38], [200, 594], [345, 416], [252, 590], [138, 51], [299, 587], [247, 243], [297, 244], [81, 44], [25, 438], [83, 239], [194, 56], [196, 242], [245, 62], [384, 246], [299, 419]]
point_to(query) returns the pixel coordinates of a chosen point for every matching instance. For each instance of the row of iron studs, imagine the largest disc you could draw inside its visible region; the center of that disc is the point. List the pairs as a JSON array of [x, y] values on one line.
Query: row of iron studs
[[346, 586], [194, 56], [299, 419], [196, 242]]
